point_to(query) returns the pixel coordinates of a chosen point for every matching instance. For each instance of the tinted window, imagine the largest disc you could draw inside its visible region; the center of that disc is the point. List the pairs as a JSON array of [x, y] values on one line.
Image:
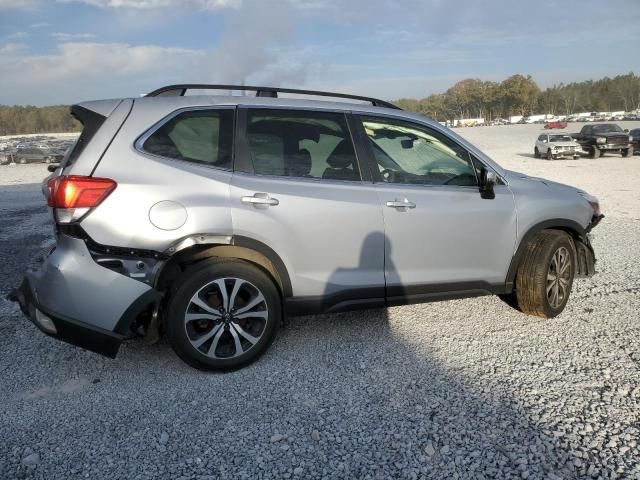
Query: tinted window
[[607, 128], [202, 136], [301, 144], [414, 154]]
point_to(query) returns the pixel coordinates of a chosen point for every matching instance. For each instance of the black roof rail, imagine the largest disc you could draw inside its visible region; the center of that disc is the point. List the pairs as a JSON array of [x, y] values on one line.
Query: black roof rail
[[180, 89]]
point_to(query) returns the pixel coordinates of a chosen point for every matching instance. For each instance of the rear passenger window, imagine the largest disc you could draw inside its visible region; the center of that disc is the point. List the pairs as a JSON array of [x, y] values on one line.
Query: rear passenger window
[[301, 144], [202, 136]]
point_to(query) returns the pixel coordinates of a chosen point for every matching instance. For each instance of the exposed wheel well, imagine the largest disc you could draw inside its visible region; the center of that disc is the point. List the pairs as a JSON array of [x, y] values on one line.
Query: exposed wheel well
[[573, 229], [184, 259]]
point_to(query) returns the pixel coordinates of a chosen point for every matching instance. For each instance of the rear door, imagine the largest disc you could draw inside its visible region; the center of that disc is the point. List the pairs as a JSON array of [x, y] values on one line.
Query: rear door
[[441, 236], [298, 188]]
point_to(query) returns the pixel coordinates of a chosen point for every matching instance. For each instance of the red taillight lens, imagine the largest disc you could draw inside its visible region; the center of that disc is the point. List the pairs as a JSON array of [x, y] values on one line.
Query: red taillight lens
[[79, 192]]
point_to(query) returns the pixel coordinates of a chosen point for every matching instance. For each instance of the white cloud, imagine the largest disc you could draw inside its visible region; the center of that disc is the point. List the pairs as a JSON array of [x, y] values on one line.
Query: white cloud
[[18, 36], [69, 37], [18, 4], [152, 4]]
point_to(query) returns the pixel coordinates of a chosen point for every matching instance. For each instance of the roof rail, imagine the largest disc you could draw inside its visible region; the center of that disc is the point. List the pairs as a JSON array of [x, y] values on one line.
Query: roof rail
[[180, 89]]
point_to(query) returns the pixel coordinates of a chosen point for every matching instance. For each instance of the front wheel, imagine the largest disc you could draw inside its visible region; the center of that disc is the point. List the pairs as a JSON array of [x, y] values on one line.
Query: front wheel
[[627, 152], [595, 152], [223, 315], [536, 152], [549, 154], [545, 275]]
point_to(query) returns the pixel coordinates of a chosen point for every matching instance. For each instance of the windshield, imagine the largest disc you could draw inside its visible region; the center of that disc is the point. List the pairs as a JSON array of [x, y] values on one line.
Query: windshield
[[560, 138], [607, 128]]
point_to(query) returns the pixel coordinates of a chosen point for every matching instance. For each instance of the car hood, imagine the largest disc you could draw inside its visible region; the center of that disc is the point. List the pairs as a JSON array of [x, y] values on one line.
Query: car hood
[[608, 134], [563, 144], [518, 176]]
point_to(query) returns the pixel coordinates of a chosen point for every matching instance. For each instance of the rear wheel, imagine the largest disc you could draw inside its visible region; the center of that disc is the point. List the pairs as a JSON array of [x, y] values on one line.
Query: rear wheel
[[545, 275], [223, 315], [595, 152]]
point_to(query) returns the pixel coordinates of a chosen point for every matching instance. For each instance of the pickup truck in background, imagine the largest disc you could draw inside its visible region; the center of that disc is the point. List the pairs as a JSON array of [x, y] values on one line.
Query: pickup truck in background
[[600, 138]]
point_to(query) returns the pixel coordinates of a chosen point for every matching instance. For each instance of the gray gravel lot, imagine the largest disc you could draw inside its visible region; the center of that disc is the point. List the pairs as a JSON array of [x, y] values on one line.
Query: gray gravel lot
[[459, 389]]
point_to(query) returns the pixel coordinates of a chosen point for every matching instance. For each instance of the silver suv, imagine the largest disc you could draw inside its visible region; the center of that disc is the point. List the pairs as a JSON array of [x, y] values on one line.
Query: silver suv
[[210, 218]]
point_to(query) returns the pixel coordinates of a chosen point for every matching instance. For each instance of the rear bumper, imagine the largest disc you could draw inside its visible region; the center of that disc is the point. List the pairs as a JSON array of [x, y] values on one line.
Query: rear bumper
[[66, 329], [72, 298]]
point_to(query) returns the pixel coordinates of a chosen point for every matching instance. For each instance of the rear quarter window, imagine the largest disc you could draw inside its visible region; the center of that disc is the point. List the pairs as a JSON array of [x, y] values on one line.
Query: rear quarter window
[[200, 136]]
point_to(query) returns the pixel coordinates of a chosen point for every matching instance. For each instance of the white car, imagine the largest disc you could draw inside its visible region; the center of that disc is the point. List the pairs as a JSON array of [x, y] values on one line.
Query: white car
[[556, 145]]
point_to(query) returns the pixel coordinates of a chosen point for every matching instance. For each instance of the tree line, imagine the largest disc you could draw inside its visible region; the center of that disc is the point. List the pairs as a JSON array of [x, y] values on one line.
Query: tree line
[[16, 120], [520, 95], [469, 98]]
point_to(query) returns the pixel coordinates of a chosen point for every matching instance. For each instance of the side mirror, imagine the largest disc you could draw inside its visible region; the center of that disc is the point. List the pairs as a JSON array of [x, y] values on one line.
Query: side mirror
[[52, 167], [626, 130], [487, 182]]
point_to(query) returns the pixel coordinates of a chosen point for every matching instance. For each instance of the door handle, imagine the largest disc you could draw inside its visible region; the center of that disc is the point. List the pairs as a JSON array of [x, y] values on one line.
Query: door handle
[[259, 199], [401, 204]]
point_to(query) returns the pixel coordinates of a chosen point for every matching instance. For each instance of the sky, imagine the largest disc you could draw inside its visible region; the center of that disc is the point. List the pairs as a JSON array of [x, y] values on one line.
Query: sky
[[66, 51]]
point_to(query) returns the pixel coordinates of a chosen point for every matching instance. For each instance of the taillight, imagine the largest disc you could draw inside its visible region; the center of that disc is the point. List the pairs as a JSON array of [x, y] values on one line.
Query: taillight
[[73, 196]]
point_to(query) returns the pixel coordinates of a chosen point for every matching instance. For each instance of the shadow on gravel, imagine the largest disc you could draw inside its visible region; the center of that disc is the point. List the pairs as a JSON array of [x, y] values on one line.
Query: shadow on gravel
[[357, 395]]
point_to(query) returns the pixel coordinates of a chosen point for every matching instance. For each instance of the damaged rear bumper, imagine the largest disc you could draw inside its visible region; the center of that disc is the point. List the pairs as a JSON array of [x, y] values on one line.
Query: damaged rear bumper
[[74, 299]]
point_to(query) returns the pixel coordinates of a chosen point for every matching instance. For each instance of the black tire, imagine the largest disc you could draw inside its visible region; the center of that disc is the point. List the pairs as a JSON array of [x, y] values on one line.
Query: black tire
[[536, 267], [201, 277], [536, 152], [575, 157], [627, 152], [594, 152], [549, 154]]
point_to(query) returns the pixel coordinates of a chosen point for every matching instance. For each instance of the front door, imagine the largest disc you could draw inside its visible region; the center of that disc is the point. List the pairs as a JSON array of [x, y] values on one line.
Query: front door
[[441, 236]]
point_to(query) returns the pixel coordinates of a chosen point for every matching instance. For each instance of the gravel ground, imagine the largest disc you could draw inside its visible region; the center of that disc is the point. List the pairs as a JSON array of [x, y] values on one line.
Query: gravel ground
[[459, 389]]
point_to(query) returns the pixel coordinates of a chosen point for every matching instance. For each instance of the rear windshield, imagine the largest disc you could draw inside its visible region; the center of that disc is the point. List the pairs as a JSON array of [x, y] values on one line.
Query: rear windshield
[[91, 123]]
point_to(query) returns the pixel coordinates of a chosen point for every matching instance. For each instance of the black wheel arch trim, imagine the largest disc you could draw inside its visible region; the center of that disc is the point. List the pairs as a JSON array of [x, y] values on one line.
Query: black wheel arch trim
[[577, 231], [283, 273]]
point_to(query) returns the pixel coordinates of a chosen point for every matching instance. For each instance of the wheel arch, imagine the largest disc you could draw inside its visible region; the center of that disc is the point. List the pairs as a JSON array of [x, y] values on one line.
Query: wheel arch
[[574, 229], [242, 248]]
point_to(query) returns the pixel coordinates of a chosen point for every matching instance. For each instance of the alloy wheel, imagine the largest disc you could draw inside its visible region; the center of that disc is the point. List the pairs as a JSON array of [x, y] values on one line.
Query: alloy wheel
[[226, 318], [559, 277]]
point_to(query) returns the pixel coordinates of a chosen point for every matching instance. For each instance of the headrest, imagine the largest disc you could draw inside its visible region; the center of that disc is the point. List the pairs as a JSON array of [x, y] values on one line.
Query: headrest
[[342, 156], [299, 163]]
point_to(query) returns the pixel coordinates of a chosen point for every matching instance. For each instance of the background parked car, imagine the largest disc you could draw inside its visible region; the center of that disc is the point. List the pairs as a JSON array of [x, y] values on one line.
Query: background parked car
[[37, 155], [635, 135], [604, 138], [554, 146], [556, 124]]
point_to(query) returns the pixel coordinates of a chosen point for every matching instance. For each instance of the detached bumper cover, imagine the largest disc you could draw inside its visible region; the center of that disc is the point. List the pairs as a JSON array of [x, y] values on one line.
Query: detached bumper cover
[[586, 255], [91, 306]]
